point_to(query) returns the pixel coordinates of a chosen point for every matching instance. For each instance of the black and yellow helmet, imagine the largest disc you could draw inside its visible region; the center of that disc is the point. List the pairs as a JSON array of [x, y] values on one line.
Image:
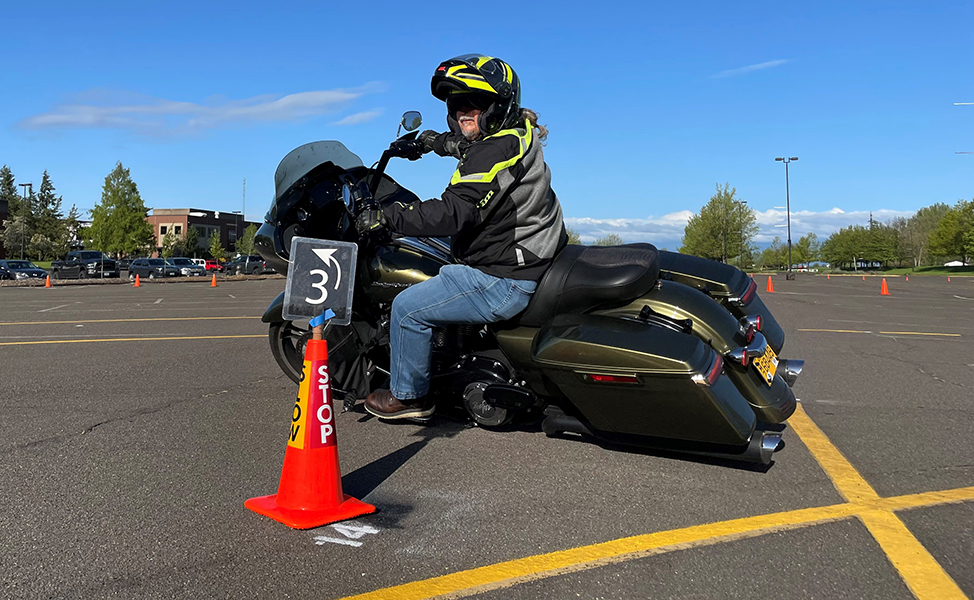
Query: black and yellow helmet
[[491, 80]]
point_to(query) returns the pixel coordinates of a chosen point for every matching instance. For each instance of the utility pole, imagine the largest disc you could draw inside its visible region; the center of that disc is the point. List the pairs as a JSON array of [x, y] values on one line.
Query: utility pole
[[244, 207], [787, 160], [23, 215], [742, 204]]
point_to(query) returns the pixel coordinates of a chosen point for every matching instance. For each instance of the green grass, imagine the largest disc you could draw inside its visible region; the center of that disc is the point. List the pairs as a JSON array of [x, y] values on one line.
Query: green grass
[[44, 264], [930, 271]]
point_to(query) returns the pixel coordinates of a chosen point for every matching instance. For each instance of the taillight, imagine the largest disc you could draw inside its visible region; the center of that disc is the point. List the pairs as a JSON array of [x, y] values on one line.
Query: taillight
[[752, 288], [598, 378], [713, 373]]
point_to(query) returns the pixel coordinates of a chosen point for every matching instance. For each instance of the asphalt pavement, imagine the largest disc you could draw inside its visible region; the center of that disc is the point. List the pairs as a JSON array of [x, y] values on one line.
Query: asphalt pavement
[[134, 423]]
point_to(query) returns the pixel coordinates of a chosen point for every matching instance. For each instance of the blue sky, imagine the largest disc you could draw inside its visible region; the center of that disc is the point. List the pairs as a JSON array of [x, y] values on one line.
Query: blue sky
[[649, 104]]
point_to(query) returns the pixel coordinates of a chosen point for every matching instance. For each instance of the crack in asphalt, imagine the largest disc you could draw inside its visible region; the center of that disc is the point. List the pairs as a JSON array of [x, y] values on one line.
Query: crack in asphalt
[[130, 415], [913, 364]]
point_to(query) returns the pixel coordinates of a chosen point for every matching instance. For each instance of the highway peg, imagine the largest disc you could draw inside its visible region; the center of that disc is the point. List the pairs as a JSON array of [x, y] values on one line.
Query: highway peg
[[136, 284], [48, 282], [213, 283], [770, 285], [310, 492], [884, 291]]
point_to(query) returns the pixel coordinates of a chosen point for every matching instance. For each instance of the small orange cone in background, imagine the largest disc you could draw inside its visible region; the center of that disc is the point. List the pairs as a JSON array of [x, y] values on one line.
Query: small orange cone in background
[[48, 282], [948, 280], [907, 277], [136, 284], [828, 276], [770, 285], [864, 278], [213, 283], [310, 493], [884, 291]]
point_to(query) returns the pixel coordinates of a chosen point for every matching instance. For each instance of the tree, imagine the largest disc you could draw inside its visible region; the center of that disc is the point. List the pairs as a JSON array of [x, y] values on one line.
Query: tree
[[8, 192], [609, 240], [216, 249], [245, 245], [191, 240], [13, 235], [40, 246], [807, 249], [118, 221], [952, 235], [49, 218], [573, 236], [724, 227], [774, 256], [172, 244]]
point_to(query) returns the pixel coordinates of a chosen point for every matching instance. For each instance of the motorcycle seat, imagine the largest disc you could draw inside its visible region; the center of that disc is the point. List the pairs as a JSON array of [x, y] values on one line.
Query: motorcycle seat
[[586, 278]]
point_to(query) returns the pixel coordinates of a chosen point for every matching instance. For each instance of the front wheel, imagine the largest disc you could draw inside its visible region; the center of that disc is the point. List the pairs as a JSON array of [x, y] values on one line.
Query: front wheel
[[82, 274], [288, 341]]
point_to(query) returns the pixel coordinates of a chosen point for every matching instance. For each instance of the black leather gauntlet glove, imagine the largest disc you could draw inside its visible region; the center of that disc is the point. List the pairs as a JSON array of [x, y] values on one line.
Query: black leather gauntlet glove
[[427, 139], [369, 221]]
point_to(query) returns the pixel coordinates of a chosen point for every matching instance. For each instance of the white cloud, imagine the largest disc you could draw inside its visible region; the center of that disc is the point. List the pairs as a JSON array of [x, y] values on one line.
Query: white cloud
[[667, 231], [146, 115], [749, 68], [357, 118]]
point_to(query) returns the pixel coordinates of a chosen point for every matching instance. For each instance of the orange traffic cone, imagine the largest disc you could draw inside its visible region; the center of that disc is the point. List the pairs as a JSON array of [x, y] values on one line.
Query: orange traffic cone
[[907, 277], [213, 283], [137, 284], [48, 282], [864, 278], [828, 276], [948, 280], [310, 493], [884, 291], [770, 285]]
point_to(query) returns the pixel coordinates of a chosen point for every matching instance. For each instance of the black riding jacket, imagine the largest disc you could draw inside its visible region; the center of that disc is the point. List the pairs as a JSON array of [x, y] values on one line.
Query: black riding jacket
[[499, 208]]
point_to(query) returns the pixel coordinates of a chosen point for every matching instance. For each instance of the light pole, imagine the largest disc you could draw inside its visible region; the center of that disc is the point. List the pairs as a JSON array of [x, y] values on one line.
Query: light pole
[[23, 215], [742, 204], [236, 230], [790, 275]]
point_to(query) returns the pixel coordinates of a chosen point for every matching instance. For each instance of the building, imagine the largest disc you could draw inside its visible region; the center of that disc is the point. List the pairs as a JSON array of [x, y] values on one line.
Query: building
[[230, 226]]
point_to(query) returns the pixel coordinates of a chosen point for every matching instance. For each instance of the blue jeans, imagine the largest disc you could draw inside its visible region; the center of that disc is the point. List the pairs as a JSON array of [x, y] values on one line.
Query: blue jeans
[[458, 295]]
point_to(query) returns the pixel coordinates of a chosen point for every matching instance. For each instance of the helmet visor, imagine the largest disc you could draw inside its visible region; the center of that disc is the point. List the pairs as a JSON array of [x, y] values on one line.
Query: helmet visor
[[465, 102]]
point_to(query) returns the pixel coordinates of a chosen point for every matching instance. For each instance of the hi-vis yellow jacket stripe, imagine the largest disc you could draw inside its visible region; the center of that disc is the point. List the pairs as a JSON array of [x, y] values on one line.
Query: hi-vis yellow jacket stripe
[[525, 143]]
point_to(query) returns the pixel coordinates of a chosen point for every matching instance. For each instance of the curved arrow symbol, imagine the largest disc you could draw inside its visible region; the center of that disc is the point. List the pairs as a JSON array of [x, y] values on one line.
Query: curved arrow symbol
[[327, 255]]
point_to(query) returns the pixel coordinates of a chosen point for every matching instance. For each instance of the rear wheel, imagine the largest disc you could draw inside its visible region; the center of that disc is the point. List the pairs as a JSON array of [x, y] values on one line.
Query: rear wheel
[[55, 274], [152, 274]]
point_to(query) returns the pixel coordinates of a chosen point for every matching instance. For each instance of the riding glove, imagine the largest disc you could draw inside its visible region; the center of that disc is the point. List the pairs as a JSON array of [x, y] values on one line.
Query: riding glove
[[369, 220], [428, 138]]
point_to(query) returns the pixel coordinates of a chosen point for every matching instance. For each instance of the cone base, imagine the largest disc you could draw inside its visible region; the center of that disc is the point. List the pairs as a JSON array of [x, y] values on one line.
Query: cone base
[[307, 519]]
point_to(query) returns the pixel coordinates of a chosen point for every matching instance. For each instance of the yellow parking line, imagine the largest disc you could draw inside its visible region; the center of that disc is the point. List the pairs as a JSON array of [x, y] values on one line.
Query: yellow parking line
[[505, 574], [141, 339], [836, 330], [922, 574], [124, 320], [919, 333], [846, 479], [918, 569]]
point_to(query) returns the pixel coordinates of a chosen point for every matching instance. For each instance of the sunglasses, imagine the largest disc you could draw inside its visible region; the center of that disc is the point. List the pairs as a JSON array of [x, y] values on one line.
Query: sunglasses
[[465, 102]]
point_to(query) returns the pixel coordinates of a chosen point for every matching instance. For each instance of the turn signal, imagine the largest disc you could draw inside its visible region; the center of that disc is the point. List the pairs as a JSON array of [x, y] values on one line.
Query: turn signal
[[610, 378]]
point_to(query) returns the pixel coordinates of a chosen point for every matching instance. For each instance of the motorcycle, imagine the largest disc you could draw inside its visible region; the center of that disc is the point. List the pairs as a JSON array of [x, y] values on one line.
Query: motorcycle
[[624, 344]]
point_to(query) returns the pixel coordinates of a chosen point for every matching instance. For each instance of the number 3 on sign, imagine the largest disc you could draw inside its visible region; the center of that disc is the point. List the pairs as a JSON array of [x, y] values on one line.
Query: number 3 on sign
[[319, 286]]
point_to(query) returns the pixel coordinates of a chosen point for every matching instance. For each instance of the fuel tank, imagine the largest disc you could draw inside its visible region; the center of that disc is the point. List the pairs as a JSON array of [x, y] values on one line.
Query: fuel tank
[[402, 263]]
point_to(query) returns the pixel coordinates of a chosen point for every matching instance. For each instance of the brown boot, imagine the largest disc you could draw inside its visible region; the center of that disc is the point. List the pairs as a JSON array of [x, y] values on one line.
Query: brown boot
[[382, 403]]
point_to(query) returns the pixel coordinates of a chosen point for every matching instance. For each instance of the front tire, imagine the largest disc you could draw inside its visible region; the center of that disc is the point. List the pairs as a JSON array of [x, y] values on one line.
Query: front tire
[[82, 274], [287, 345]]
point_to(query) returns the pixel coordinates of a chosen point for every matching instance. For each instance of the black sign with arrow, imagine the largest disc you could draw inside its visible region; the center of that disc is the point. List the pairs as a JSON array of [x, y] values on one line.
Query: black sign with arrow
[[321, 277]]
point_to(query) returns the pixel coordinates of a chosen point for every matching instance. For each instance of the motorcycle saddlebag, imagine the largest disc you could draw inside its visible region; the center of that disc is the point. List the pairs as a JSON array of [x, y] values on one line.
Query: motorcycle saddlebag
[[726, 284], [629, 377]]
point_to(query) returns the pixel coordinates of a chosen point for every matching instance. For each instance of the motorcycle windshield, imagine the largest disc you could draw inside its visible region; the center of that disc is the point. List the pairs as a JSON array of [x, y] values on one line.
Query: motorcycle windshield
[[300, 161]]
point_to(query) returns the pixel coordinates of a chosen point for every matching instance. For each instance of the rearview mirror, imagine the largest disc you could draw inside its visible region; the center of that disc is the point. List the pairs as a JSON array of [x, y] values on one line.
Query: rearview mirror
[[411, 120]]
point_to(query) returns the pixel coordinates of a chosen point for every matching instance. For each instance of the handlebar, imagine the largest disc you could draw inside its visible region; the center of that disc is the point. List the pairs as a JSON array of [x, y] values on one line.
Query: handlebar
[[393, 151]]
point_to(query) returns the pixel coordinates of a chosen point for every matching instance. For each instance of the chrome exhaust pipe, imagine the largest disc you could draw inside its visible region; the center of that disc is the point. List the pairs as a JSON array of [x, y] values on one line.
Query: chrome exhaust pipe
[[790, 369]]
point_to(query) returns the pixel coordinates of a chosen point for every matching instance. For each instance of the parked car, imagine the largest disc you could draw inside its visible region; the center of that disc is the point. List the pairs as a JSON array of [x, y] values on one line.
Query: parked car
[[199, 261], [123, 263], [213, 265], [21, 270], [4, 273], [247, 265], [186, 267], [83, 264], [151, 268]]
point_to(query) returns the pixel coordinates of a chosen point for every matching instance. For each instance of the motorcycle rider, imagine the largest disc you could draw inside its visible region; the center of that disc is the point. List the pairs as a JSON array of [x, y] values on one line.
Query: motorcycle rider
[[499, 207]]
